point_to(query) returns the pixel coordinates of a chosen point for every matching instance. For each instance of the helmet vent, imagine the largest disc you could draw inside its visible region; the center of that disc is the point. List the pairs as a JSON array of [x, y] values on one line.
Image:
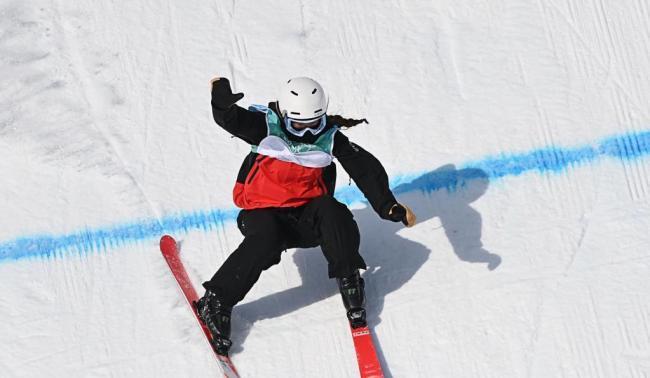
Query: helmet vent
[[314, 91], [295, 113], [318, 110], [294, 93]]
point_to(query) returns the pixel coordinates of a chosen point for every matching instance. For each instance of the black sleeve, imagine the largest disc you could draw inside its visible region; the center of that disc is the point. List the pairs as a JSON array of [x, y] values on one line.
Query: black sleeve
[[244, 124], [367, 172]]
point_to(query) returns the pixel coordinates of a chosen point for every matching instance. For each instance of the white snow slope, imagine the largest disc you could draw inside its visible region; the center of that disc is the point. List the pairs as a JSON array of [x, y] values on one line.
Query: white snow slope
[[518, 131]]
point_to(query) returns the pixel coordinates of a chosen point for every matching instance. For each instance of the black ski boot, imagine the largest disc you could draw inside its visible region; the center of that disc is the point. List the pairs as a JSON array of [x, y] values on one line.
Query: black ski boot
[[354, 298], [216, 316]]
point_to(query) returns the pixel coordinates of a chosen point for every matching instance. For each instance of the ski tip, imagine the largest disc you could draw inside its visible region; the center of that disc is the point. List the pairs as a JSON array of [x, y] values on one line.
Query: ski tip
[[167, 243], [167, 239]]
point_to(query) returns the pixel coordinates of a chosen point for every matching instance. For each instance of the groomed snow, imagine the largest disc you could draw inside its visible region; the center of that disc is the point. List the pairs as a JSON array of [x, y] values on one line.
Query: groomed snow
[[517, 130]]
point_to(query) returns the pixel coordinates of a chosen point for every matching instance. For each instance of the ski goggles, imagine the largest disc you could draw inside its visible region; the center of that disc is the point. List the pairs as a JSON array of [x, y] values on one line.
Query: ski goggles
[[300, 128]]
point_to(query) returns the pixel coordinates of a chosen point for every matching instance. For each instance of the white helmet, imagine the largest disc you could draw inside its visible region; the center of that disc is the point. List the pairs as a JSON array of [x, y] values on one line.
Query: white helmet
[[302, 99]]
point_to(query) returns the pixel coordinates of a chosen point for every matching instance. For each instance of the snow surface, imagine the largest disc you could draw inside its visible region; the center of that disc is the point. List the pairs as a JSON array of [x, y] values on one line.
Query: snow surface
[[518, 131]]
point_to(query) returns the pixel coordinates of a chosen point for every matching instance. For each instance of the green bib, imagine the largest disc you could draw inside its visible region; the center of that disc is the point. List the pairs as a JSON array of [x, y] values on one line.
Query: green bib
[[323, 145]]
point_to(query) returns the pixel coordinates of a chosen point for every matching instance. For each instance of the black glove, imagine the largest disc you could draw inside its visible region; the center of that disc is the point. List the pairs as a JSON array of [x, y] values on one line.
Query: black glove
[[401, 213], [222, 96], [397, 213]]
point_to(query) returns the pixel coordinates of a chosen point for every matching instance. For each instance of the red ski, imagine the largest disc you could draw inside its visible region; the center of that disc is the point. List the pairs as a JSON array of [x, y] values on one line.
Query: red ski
[[369, 366], [170, 251]]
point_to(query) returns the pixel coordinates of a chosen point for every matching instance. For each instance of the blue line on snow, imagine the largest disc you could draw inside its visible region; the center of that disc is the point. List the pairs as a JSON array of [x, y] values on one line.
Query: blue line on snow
[[551, 159], [86, 241]]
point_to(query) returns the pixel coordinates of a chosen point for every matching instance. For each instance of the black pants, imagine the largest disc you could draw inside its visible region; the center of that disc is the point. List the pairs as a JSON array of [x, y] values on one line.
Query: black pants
[[268, 232]]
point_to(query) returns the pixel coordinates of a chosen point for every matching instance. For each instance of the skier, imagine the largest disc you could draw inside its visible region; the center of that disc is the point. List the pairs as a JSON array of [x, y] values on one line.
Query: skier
[[285, 189]]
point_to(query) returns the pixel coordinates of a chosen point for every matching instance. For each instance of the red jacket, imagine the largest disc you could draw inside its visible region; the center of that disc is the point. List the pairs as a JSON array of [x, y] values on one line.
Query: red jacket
[[264, 181]]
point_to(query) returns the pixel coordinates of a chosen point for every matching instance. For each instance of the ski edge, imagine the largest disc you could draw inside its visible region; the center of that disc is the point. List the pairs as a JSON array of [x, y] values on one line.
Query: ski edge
[[364, 346], [169, 250]]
